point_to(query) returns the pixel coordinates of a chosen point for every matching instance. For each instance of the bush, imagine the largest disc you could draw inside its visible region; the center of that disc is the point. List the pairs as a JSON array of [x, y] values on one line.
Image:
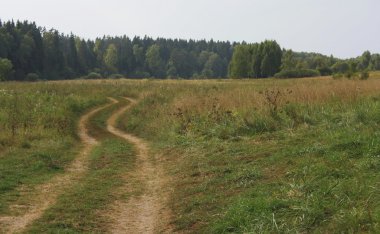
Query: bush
[[116, 76], [5, 69], [32, 77], [364, 75], [94, 75], [140, 74], [349, 75], [337, 76], [325, 71], [297, 73]]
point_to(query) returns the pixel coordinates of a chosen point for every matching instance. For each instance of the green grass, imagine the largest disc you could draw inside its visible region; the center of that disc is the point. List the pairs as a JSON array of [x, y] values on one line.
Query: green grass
[[80, 208], [37, 162], [38, 136], [317, 180]]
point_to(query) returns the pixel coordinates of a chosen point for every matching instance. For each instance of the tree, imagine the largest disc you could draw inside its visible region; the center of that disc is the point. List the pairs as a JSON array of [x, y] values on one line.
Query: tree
[[183, 62], [171, 71], [365, 60], [255, 60], [54, 61], [214, 67], [256, 52], [272, 55], [5, 69], [341, 67], [111, 58], [154, 61], [301, 65], [375, 62], [288, 61], [138, 53], [4, 43], [240, 65], [126, 57], [85, 55], [52, 55], [319, 62], [72, 56]]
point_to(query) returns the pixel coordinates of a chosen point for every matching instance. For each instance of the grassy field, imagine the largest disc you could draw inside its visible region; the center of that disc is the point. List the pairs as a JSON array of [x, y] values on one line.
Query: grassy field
[[259, 156], [268, 155]]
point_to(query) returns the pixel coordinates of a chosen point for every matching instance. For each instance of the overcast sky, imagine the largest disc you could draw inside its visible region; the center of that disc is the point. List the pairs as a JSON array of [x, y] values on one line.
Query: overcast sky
[[344, 28]]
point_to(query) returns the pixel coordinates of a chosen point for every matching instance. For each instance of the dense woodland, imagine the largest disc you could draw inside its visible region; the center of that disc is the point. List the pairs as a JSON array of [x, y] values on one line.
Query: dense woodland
[[29, 52]]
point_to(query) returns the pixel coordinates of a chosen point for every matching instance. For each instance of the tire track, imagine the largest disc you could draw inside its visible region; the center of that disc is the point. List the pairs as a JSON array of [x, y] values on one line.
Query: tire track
[[144, 213], [45, 195]]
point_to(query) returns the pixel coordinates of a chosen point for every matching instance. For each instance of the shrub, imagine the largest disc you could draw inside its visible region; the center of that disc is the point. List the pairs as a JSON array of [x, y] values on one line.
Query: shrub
[[349, 75], [297, 73], [5, 68], [352, 75], [32, 77], [325, 71], [337, 76], [93, 75], [116, 76], [364, 75], [141, 74]]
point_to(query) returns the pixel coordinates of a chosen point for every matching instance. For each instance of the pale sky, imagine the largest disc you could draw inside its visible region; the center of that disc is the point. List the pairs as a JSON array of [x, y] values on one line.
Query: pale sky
[[344, 28]]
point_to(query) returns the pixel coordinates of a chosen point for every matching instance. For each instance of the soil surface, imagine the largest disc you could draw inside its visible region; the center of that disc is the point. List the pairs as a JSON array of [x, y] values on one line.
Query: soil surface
[[146, 212]]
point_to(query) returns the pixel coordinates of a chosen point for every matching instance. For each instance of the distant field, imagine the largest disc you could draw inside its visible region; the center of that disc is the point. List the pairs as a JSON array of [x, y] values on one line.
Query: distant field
[[239, 156]]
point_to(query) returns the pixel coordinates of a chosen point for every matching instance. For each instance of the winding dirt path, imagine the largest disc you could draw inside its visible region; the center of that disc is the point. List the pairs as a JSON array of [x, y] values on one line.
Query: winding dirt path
[[45, 195], [145, 213]]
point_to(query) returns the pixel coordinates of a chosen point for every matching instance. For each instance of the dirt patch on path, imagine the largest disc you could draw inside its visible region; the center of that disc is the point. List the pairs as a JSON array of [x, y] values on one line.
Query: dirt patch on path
[[145, 213], [45, 195]]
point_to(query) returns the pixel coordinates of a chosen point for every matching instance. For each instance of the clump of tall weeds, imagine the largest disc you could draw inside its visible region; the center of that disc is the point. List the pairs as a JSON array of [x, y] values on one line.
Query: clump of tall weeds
[[217, 121], [274, 98]]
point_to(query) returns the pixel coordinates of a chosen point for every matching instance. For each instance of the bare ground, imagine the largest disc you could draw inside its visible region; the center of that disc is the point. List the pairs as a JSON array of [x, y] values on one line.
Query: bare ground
[[45, 195], [146, 212]]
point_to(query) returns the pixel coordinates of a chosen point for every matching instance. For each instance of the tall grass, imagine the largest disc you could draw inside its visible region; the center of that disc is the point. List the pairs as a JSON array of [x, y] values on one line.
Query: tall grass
[[302, 160]]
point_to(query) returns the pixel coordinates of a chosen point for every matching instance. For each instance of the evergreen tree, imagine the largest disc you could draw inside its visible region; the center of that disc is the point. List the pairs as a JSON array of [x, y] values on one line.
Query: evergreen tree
[[53, 56]]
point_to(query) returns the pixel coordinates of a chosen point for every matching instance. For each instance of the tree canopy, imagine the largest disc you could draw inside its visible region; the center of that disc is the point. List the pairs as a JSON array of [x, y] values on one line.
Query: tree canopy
[[28, 51]]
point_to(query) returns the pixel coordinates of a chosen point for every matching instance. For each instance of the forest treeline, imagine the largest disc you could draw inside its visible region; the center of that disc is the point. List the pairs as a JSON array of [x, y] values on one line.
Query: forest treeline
[[29, 52]]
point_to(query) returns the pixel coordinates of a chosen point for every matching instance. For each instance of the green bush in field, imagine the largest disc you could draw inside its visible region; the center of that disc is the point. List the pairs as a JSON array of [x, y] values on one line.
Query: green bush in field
[[337, 76], [5, 68], [32, 77], [116, 76], [94, 75], [298, 73], [364, 75]]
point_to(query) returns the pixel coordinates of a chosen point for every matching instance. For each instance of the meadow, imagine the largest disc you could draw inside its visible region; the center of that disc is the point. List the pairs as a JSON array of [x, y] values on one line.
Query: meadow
[[240, 156]]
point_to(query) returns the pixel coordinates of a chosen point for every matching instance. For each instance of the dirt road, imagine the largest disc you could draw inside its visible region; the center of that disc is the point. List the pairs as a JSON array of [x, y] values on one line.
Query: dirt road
[[147, 212]]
